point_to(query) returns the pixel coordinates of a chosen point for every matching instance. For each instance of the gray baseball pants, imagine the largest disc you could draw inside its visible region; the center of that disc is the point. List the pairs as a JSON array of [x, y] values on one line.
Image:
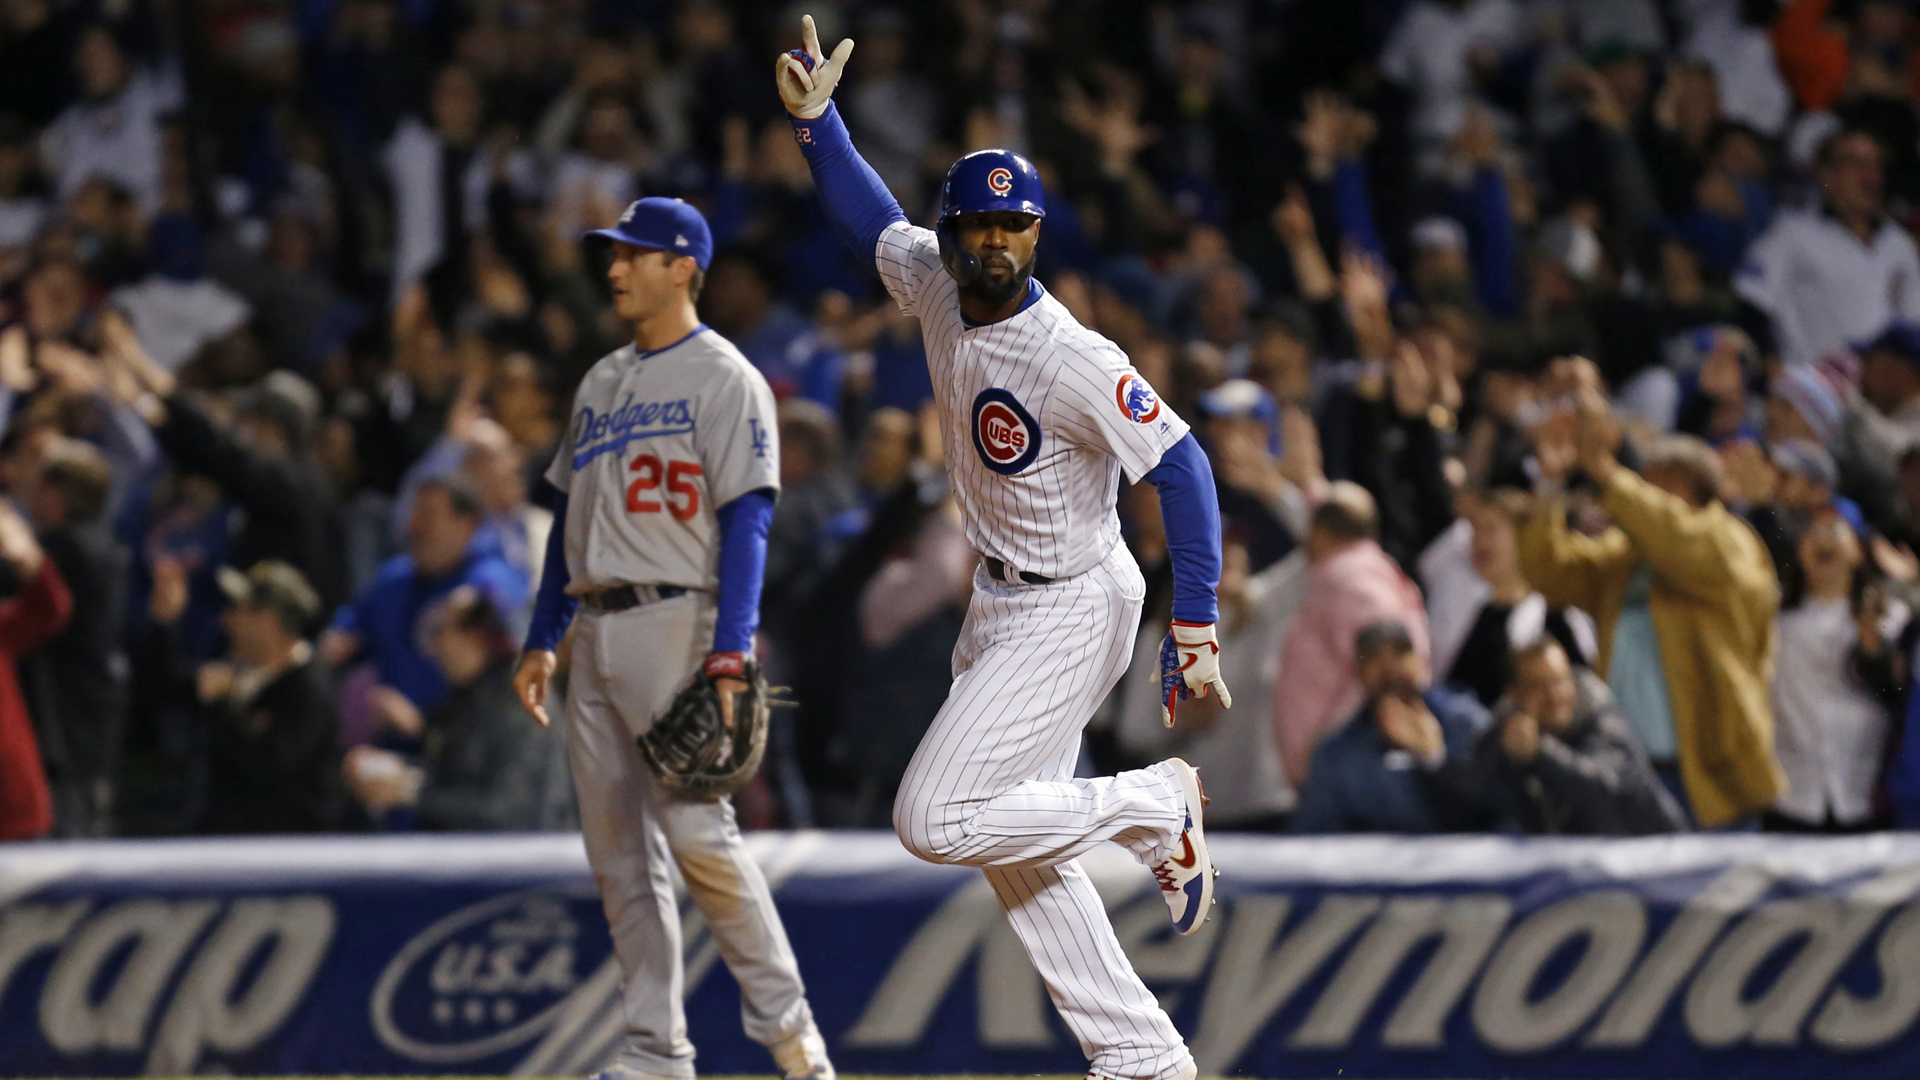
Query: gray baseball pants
[[627, 666]]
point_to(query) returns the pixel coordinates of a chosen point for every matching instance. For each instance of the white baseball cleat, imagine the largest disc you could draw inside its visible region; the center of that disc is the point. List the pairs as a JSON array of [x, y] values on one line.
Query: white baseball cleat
[[804, 1056], [1186, 875]]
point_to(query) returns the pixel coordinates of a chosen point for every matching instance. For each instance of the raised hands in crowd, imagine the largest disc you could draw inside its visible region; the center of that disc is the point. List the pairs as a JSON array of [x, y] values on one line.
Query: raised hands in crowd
[[1510, 263]]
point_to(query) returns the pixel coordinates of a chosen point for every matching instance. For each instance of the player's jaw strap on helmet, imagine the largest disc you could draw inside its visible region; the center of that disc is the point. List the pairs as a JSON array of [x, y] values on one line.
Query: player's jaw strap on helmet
[[983, 182]]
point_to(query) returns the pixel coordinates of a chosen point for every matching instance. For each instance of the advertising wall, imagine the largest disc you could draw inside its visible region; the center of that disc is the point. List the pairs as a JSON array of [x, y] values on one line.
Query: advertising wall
[[1685, 957]]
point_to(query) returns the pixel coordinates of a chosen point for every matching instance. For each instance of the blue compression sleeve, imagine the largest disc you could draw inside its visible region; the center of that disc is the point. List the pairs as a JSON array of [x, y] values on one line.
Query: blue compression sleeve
[[1191, 509], [1498, 254], [1352, 207], [743, 568], [858, 203], [1353, 212], [552, 608]]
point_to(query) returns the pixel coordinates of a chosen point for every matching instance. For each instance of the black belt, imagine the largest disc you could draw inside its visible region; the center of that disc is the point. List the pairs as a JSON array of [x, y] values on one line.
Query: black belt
[[998, 570], [622, 597]]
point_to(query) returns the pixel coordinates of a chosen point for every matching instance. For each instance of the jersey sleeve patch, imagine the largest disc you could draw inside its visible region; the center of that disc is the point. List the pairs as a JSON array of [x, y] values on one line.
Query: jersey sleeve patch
[[1005, 434], [1136, 399]]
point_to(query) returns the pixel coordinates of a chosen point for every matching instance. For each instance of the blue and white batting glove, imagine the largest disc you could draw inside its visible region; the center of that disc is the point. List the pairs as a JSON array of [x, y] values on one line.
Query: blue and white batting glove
[[806, 77], [1189, 667]]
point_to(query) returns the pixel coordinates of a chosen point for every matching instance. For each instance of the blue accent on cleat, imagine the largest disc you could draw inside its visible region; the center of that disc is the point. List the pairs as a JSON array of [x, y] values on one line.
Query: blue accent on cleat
[[1193, 889]]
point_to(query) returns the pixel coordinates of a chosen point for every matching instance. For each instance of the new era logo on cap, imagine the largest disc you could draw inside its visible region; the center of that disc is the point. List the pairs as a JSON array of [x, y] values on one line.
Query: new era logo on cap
[[628, 216], [679, 241]]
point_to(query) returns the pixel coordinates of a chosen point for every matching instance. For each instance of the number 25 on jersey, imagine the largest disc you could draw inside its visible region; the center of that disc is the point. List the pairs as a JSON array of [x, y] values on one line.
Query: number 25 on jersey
[[682, 499]]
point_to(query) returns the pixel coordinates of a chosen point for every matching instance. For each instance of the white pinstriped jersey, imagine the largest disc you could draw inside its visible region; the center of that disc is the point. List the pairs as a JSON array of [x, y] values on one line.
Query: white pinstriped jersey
[[1041, 416], [658, 442]]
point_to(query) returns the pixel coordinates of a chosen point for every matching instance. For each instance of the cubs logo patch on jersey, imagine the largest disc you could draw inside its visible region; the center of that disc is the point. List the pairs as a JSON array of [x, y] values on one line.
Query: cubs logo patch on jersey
[[1004, 433], [1137, 400], [1053, 426]]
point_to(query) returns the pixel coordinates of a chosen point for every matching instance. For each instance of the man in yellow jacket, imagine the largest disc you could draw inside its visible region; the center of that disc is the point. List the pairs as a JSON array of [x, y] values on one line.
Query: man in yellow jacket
[[1684, 595]]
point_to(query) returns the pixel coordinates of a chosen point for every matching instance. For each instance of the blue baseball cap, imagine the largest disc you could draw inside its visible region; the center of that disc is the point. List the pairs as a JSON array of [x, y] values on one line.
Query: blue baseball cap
[[667, 224], [1901, 338], [1245, 399]]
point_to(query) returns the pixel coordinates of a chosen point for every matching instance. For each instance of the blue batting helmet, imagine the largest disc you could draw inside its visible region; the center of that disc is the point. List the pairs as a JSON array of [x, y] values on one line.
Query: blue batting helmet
[[983, 182]]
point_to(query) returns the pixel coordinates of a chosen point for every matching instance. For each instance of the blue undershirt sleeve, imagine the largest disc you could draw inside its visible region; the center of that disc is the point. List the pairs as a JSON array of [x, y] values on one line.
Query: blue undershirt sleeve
[[552, 608], [1353, 208], [731, 208], [1190, 508], [857, 202], [743, 567], [1498, 250]]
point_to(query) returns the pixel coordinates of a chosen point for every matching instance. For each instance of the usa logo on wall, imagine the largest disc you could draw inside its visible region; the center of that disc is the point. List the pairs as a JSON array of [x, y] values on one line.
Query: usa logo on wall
[[1004, 433], [1137, 400]]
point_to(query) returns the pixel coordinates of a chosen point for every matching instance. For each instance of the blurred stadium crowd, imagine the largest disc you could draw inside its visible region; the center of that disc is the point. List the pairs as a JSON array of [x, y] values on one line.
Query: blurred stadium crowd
[[1554, 359]]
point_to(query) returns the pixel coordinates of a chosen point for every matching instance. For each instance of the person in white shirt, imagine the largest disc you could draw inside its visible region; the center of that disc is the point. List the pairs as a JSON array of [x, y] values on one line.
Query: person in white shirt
[[1839, 273], [1481, 609], [1435, 50], [1881, 420], [23, 207], [426, 165], [1830, 735], [179, 309], [1741, 52], [114, 131]]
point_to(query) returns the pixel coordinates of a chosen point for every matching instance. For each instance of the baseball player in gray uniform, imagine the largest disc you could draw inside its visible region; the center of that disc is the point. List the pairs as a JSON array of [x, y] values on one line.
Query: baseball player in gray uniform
[[1042, 418], [667, 476]]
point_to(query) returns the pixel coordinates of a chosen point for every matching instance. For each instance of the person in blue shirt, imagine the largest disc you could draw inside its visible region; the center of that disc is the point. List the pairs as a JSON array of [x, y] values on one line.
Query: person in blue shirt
[[381, 623], [1405, 762], [782, 343]]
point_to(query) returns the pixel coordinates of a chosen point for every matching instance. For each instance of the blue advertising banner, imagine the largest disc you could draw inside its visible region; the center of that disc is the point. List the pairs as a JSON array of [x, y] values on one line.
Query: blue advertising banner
[[1685, 957]]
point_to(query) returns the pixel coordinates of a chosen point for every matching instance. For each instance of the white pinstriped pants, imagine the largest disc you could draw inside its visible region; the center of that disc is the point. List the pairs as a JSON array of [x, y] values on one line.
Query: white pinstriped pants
[[626, 668], [992, 786]]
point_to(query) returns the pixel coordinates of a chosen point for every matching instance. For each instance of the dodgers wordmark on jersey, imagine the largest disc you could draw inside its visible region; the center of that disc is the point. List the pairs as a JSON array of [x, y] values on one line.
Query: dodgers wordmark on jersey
[[1023, 394], [658, 442]]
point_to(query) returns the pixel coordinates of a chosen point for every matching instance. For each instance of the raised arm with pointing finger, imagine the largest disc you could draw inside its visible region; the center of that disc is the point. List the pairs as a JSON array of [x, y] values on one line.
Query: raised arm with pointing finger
[[995, 193], [857, 202], [1043, 419]]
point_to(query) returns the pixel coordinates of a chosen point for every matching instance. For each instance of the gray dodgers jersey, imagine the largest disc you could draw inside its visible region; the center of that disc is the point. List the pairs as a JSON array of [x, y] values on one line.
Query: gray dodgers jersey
[[1040, 417], [658, 442]]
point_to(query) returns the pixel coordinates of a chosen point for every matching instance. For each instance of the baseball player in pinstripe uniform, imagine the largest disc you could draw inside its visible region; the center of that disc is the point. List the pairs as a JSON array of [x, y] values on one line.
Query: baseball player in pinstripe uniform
[[667, 477], [1045, 417]]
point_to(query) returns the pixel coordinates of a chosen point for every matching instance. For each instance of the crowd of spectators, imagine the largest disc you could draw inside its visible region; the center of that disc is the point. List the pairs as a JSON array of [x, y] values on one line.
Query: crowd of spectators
[[1559, 364]]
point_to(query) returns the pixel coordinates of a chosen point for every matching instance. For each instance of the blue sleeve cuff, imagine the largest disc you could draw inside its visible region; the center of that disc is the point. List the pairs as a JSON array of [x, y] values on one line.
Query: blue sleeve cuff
[[1190, 507], [857, 202], [552, 608], [744, 523]]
